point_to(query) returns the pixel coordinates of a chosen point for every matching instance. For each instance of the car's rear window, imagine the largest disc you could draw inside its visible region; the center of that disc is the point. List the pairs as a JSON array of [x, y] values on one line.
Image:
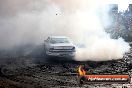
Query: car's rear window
[[59, 40]]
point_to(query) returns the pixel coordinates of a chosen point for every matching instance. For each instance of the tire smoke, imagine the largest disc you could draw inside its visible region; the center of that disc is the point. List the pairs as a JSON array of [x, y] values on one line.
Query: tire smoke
[[31, 21]]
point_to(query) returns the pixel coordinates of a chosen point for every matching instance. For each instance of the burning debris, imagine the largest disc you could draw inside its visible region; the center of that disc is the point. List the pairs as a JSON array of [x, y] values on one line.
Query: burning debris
[[81, 71]]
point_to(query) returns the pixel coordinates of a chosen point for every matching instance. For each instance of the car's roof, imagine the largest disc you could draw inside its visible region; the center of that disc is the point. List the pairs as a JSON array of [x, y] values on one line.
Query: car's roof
[[58, 37]]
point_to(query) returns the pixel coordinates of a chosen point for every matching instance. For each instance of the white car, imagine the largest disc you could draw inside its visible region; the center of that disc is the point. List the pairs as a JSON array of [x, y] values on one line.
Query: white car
[[59, 46]]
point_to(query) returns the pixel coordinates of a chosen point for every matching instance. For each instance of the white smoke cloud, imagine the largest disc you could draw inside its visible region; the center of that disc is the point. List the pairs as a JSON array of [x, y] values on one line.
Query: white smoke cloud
[[98, 44], [33, 21]]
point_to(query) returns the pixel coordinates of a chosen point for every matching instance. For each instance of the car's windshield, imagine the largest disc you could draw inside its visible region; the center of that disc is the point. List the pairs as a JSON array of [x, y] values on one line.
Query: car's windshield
[[59, 40]]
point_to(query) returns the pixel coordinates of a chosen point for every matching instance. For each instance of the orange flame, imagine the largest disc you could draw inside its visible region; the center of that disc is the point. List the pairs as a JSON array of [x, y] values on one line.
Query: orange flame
[[81, 71]]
